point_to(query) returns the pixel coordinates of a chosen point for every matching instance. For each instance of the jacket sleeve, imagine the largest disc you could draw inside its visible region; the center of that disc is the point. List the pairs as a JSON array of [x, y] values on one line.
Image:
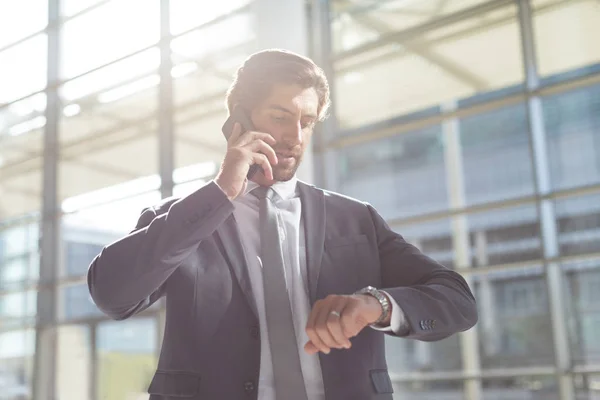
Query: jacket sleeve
[[130, 274], [436, 301]]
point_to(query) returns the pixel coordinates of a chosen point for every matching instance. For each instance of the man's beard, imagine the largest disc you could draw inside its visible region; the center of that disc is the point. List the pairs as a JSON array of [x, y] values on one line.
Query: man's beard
[[281, 174]]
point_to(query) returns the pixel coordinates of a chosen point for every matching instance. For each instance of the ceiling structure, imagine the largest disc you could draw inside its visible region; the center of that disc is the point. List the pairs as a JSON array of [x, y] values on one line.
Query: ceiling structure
[[391, 58]]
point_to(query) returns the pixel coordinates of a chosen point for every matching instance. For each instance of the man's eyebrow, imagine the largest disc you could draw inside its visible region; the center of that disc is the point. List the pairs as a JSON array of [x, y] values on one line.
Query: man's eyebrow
[[285, 110]]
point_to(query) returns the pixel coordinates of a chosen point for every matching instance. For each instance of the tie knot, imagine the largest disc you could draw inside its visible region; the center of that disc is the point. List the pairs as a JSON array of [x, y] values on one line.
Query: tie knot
[[263, 192]]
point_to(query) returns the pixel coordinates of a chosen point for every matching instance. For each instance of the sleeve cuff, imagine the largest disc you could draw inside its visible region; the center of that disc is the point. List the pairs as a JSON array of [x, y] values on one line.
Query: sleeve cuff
[[398, 320]]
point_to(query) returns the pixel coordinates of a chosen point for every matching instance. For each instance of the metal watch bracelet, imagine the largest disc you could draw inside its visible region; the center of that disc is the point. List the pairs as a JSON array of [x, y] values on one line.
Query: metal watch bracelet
[[383, 300]]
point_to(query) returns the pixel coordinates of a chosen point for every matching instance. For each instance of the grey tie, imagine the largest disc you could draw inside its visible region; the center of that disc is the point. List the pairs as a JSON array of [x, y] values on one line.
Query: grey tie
[[287, 373]]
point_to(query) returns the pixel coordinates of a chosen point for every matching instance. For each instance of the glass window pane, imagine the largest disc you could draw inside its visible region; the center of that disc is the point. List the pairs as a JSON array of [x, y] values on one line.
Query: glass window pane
[[21, 130], [572, 123], [433, 238], [495, 155], [587, 386], [474, 56], [21, 18], [357, 22], [566, 35], [110, 115], [578, 221], [126, 358], [503, 236], [514, 329], [74, 362], [187, 14], [76, 302], [23, 69], [411, 356], [72, 7], [87, 43], [18, 308], [234, 31], [582, 282], [87, 230], [16, 363], [402, 176]]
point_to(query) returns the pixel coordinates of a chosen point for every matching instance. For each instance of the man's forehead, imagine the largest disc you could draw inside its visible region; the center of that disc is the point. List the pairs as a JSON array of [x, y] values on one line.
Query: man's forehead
[[294, 98]]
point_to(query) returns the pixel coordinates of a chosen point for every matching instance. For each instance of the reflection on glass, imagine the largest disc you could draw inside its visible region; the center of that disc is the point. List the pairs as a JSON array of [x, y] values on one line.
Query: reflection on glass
[[521, 388], [578, 221], [496, 155], [572, 122], [126, 357], [73, 362], [187, 14], [21, 18], [23, 68], [84, 48], [474, 56], [402, 176], [427, 390], [514, 329], [583, 296], [560, 24]]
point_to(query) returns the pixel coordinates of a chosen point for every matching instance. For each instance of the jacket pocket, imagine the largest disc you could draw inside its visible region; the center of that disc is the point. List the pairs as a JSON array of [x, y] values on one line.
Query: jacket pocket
[[346, 241], [175, 384], [381, 381]]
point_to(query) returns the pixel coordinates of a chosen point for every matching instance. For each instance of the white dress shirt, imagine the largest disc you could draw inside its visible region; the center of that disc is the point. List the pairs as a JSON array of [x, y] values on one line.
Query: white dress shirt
[[294, 256]]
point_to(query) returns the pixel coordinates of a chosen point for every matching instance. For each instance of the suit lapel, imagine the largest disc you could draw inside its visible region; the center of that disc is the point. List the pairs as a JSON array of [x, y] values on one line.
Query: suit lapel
[[313, 217], [232, 248]]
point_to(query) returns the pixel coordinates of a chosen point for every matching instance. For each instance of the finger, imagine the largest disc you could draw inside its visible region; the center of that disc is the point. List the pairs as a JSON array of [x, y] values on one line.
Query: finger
[[310, 348], [311, 328], [251, 136], [260, 146], [334, 324], [263, 161], [235, 133], [323, 329]]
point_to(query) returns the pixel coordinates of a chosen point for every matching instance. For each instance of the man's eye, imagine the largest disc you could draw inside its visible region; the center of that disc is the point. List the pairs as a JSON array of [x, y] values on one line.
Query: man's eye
[[278, 118]]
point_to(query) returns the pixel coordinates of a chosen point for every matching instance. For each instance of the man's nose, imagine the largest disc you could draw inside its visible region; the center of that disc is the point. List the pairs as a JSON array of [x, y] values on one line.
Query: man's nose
[[295, 134]]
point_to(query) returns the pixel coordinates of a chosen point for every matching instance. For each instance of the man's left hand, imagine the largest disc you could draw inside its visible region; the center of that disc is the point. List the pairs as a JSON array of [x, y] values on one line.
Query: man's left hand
[[337, 318]]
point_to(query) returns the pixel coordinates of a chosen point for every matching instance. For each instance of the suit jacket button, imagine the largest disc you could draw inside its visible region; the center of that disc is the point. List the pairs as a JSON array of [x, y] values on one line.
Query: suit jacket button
[[254, 332], [248, 386]]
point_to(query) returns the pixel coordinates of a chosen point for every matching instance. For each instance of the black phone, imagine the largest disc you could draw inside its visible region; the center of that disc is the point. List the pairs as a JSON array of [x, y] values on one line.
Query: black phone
[[243, 117]]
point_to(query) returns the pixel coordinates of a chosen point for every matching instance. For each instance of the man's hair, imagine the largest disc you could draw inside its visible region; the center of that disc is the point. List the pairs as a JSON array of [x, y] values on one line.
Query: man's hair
[[256, 77]]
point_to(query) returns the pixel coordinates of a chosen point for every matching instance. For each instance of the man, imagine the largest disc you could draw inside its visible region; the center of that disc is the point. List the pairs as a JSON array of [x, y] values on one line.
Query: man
[[276, 289]]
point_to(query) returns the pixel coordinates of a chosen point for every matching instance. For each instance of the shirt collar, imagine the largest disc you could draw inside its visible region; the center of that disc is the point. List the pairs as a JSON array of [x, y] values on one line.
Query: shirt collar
[[285, 190]]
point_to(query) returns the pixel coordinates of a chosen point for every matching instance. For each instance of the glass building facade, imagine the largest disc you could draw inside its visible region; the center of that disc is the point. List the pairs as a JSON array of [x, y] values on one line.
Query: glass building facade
[[473, 126]]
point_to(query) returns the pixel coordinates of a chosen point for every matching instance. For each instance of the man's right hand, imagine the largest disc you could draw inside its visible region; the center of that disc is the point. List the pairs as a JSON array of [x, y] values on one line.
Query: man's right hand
[[243, 150]]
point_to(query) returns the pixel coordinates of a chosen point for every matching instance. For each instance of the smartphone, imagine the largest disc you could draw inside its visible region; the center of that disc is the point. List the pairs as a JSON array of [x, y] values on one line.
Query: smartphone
[[243, 118]]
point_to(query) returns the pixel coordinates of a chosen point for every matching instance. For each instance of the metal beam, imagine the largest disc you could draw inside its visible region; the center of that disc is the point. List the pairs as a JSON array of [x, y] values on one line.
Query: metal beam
[[44, 385], [166, 146], [545, 207]]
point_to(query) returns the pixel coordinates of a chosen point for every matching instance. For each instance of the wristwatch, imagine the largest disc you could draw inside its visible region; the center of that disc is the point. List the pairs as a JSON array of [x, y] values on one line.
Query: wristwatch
[[383, 300]]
